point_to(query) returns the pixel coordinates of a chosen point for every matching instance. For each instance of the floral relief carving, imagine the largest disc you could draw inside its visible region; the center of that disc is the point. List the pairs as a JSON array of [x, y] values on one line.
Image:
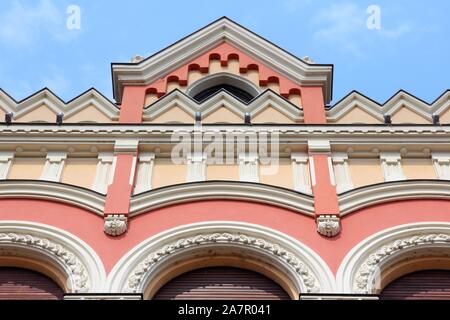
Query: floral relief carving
[[364, 276], [77, 271], [139, 273]]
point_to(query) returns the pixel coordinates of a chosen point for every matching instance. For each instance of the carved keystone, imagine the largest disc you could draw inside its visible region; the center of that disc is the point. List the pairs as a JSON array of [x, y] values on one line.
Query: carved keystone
[[116, 224], [328, 225]]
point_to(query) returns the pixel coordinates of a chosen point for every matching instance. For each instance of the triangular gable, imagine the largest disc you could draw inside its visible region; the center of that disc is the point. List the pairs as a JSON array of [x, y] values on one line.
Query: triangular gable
[[222, 39]]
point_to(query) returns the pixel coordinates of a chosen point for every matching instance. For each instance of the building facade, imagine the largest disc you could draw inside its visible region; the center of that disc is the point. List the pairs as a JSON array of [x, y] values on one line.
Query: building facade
[[221, 171]]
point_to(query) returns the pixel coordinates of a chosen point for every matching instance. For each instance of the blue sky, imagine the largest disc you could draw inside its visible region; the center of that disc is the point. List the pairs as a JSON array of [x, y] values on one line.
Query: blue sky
[[411, 51]]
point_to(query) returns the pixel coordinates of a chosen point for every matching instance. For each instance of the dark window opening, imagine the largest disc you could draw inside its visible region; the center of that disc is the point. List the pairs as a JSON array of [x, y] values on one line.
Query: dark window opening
[[235, 91]]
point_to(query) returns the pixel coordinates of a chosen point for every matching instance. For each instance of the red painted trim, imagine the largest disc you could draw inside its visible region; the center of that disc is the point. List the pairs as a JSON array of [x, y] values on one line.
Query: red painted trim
[[313, 105], [325, 195], [132, 105], [120, 191]]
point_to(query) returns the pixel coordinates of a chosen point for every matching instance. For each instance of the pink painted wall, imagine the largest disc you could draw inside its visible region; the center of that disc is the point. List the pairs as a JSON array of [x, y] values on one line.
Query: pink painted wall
[[355, 227]]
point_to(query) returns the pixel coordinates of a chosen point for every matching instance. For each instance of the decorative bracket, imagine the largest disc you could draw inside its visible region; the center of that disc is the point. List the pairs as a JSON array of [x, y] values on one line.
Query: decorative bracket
[[116, 224], [328, 225]]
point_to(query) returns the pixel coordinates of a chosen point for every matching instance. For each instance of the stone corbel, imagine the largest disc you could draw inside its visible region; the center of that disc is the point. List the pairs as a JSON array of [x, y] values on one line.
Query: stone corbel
[[6, 159], [392, 167], [116, 224], [328, 225], [342, 172], [249, 167], [302, 181], [54, 165], [196, 167], [144, 173], [441, 163]]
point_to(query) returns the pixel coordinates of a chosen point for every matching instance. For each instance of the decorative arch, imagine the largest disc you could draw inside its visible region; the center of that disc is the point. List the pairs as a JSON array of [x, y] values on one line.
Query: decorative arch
[[364, 267], [55, 191], [255, 192], [62, 256], [294, 266], [223, 78], [360, 198]]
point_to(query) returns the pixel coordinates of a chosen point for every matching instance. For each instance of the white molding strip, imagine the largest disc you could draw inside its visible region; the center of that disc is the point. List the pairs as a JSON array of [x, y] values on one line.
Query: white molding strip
[[221, 190], [53, 191], [392, 191]]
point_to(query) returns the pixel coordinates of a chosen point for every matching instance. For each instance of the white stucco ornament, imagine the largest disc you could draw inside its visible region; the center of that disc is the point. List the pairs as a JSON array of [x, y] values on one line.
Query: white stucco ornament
[[116, 224], [328, 225]]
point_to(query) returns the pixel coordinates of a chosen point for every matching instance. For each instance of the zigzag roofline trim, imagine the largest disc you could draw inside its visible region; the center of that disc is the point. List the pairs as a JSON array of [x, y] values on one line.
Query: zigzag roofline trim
[[224, 99], [45, 96], [393, 104]]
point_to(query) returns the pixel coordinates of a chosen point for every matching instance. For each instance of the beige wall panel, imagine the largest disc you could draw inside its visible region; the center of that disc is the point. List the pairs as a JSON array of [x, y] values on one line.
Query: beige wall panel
[[80, 172], [233, 66], [444, 118], [253, 76], [405, 115], [165, 173], [89, 114], [215, 67], [2, 115], [282, 177], [223, 115], [194, 75], [418, 169], [172, 86], [175, 114], [365, 172], [222, 172], [271, 115], [274, 87], [295, 99], [150, 98], [27, 168], [41, 113], [357, 115]]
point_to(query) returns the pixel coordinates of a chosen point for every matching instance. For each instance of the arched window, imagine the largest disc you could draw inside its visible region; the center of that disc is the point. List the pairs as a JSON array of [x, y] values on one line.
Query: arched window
[[239, 87]]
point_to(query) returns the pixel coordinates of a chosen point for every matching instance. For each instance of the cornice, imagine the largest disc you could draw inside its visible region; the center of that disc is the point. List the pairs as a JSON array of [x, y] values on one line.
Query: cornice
[[53, 191], [391, 191], [255, 192]]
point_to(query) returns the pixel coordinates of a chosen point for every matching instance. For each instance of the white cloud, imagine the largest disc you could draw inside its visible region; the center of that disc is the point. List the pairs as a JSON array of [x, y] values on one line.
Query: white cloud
[[22, 25], [344, 25], [338, 25]]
